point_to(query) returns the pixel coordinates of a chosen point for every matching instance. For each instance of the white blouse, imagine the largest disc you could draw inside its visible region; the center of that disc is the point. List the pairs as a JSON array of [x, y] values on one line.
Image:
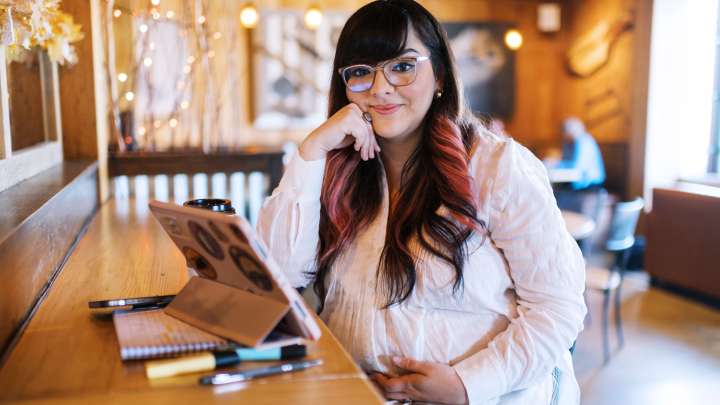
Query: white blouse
[[507, 334]]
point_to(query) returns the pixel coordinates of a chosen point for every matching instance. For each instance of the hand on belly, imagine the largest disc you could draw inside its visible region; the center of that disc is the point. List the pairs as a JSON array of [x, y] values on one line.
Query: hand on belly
[[425, 381]]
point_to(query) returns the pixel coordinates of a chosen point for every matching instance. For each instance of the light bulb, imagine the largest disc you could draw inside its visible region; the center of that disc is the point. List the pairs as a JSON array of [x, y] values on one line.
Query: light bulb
[[313, 17], [122, 77], [129, 96], [249, 16], [513, 39]]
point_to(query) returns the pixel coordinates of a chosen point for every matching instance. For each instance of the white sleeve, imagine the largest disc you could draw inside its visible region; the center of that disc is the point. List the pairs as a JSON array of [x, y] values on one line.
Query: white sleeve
[[289, 219], [548, 273]]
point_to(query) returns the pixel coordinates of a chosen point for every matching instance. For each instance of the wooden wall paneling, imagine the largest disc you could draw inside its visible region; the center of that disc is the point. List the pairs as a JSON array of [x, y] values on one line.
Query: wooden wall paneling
[[43, 217], [616, 159], [5, 132], [26, 103], [639, 96], [50, 80], [84, 93]]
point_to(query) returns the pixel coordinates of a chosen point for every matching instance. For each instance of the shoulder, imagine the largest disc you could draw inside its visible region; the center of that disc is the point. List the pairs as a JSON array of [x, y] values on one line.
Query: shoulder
[[501, 167], [499, 155]]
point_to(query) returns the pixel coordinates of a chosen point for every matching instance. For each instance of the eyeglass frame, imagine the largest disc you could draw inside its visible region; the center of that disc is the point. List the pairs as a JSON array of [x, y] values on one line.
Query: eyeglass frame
[[381, 66]]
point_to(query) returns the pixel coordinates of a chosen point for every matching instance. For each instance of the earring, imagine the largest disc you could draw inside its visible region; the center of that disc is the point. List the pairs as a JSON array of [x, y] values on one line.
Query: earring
[[438, 94]]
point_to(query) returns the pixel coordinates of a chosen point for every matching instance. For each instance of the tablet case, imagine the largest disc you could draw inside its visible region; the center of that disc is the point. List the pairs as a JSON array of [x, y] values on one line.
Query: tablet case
[[241, 294]]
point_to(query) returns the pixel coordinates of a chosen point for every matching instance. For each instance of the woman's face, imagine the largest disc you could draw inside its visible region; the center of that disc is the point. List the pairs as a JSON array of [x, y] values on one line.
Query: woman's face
[[398, 111]]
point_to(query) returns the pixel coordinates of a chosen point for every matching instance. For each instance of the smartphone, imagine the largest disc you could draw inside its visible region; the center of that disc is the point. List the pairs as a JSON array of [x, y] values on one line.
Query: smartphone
[[157, 301]]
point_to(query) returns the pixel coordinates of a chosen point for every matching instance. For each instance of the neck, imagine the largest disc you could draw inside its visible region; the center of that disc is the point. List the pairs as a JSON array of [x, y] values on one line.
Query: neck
[[395, 152]]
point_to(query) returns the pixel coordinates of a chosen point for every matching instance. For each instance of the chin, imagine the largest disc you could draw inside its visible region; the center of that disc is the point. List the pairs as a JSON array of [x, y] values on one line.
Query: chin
[[389, 131]]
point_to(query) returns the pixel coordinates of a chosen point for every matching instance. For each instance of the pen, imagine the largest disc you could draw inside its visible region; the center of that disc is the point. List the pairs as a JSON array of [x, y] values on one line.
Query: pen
[[237, 376], [219, 358]]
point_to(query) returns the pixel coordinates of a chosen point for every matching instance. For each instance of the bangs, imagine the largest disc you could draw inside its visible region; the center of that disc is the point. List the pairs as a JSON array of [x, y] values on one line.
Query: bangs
[[375, 33]]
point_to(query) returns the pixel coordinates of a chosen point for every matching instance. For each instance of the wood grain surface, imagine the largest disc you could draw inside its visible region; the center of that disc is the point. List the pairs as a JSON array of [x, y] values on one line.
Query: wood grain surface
[[68, 355], [41, 220]]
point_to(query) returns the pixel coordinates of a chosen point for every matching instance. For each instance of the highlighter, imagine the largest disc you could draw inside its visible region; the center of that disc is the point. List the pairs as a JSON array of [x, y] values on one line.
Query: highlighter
[[220, 358]]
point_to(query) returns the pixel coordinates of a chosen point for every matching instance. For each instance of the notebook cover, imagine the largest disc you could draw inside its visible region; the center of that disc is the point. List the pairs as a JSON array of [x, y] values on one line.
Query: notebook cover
[[229, 312], [151, 333]]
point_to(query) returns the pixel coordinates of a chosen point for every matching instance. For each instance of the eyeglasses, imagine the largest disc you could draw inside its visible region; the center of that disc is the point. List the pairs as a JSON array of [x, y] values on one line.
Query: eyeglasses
[[398, 72]]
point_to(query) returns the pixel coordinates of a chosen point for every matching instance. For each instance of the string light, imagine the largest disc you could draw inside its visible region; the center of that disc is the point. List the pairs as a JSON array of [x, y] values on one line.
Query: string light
[[152, 46], [513, 39], [147, 61], [117, 13], [173, 122], [217, 35], [313, 17], [157, 124], [141, 131], [249, 16], [191, 59], [201, 19], [155, 2], [143, 28], [122, 77], [129, 96], [155, 14], [185, 104], [187, 69], [170, 14]]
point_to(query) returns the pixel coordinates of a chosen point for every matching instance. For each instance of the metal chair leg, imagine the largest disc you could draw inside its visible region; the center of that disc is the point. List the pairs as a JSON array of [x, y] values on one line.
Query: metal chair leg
[[605, 326], [588, 317], [624, 257], [618, 317]]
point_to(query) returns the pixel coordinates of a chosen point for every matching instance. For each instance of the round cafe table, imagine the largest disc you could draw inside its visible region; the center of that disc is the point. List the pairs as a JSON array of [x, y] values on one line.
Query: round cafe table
[[580, 226]]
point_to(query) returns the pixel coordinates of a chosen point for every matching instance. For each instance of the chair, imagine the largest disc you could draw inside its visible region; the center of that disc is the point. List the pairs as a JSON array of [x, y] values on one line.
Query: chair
[[589, 202], [606, 280]]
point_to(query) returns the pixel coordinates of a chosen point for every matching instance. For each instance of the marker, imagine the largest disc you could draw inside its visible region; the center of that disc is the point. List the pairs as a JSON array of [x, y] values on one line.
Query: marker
[[244, 375], [212, 360]]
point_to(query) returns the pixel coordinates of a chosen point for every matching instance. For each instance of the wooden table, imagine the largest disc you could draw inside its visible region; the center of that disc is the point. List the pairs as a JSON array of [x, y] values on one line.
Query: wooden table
[[67, 355], [559, 175], [580, 226]]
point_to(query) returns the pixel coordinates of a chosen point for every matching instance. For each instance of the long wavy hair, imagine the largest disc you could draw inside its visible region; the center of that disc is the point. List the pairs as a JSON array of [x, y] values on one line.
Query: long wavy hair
[[435, 175]]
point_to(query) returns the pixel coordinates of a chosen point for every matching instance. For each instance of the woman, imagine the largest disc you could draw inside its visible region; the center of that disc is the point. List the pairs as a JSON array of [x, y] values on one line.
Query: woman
[[436, 247]]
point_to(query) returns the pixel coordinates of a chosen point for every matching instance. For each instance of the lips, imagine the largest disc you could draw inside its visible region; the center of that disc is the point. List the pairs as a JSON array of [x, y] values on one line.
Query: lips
[[386, 109]]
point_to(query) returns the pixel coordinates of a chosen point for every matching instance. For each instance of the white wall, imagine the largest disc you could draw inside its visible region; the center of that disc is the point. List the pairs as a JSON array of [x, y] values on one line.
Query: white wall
[[682, 58]]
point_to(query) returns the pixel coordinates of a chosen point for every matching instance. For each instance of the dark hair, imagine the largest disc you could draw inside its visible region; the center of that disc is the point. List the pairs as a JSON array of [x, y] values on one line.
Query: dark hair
[[435, 175]]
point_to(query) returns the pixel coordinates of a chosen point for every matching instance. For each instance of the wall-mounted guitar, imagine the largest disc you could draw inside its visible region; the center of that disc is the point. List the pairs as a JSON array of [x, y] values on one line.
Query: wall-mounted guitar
[[591, 51]]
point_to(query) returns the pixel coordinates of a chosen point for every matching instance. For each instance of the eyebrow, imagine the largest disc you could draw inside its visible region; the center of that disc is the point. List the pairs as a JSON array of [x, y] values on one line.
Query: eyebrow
[[406, 50]]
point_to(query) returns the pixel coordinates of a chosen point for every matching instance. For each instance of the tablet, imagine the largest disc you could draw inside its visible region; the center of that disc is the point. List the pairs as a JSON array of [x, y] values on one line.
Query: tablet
[[225, 249]]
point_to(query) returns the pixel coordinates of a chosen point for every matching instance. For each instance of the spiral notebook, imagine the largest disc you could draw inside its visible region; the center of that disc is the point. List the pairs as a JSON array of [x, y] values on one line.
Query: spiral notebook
[[147, 334], [151, 333]]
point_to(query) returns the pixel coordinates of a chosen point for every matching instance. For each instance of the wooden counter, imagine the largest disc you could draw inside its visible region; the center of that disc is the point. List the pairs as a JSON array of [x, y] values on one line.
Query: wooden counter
[[67, 355]]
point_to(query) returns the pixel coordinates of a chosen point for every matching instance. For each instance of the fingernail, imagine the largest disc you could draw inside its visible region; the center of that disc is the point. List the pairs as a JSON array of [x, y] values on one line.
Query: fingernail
[[397, 360]]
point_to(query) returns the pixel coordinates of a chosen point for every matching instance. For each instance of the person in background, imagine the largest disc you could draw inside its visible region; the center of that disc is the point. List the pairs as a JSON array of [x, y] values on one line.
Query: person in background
[[437, 250], [580, 152]]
